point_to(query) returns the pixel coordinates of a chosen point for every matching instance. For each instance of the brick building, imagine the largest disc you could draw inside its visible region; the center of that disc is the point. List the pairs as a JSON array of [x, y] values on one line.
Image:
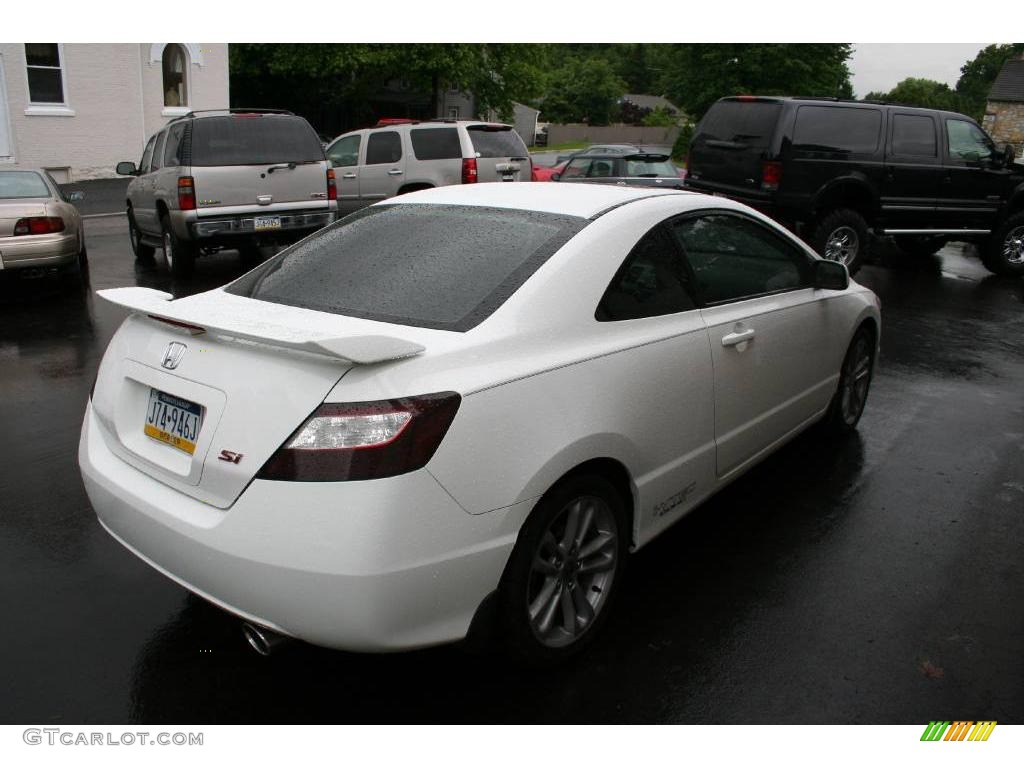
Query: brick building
[[1004, 115], [77, 109]]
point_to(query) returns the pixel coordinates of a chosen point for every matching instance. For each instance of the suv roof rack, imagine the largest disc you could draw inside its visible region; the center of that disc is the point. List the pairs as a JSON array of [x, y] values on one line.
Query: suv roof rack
[[240, 110]]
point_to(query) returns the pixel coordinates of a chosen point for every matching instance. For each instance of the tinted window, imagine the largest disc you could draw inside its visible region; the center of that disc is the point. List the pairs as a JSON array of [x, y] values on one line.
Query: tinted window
[[967, 141], [384, 147], [446, 267], [172, 148], [750, 123], [651, 282], [733, 257], [435, 143], [158, 152], [345, 151], [577, 168], [254, 140], [913, 135], [15, 184], [496, 142], [837, 129], [147, 155]]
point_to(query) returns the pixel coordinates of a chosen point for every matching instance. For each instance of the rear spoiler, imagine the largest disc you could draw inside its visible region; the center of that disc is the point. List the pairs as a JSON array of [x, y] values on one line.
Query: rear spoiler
[[359, 350]]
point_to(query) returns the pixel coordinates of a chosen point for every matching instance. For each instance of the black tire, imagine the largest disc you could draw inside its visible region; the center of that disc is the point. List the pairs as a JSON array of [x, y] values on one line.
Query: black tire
[[570, 578], [140, 250], [919, 246], [841, 235], [1004, 252], [848, 403], [179, 255]]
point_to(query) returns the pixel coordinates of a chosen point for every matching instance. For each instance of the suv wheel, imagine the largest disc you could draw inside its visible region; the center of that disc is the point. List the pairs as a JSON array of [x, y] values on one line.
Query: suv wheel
[[140, 250], [842, 235], [1004, 253], [564, 569], [179, 255]]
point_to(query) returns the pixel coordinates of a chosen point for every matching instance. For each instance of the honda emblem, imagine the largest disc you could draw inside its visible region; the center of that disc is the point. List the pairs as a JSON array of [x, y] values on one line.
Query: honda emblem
[[173, 354]]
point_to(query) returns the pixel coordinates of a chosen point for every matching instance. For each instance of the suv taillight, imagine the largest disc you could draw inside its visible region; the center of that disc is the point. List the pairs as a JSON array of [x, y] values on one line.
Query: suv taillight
[[469, 170], [364, 441], [332, 187], [771, 175], [186, 193], [39, 225]]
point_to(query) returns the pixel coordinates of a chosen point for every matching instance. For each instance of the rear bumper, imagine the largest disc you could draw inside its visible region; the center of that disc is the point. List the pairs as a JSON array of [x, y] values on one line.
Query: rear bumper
[[38, 250], [376, 565], [295, 223]]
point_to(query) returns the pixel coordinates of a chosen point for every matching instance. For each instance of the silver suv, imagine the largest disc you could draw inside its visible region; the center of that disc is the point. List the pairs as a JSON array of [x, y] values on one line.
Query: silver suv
[[398, 156], [227, 178]]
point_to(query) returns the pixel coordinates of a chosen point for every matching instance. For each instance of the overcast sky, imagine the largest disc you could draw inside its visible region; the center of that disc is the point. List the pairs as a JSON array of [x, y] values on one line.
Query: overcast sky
[[879, 66]]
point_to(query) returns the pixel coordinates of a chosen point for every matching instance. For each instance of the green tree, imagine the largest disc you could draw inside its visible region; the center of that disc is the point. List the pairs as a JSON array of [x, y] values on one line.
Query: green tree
[[920, 92], [695, 75], [659, 117], [583, 90], [978, 74]]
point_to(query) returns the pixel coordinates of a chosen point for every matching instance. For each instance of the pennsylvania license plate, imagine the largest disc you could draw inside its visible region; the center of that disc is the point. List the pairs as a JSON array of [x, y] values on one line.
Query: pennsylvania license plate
[[173, 420], [267, 222]]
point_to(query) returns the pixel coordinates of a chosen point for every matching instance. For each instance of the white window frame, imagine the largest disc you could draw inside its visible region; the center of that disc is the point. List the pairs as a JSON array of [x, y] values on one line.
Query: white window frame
[[49, 108], [184, 109], [6, 159], [454, 113]]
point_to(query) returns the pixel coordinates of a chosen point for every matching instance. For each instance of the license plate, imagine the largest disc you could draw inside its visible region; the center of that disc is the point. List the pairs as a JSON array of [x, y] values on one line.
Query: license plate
[[267, 222], [173, 420]]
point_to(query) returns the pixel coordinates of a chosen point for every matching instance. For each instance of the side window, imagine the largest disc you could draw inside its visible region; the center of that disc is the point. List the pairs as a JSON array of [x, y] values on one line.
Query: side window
[[147, 156], [913, 135], [968, 142], [345, 151], [577, 168], [383, 147], [651, 282], [172, 146], [601, 168], [435, 143], [158, 152], [853, 130], [733, 257]]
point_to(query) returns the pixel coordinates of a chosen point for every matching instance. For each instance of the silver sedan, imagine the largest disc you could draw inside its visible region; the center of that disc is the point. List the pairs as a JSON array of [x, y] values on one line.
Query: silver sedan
[[40, 228]]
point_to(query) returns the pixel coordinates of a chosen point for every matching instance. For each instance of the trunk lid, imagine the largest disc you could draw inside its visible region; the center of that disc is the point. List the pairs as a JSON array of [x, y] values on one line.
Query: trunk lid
[[731, 142], [12, 210], [500, 153], [254, 374]]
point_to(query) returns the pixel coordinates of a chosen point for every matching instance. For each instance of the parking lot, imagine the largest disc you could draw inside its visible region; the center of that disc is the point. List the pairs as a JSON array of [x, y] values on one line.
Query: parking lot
[[880, 583]]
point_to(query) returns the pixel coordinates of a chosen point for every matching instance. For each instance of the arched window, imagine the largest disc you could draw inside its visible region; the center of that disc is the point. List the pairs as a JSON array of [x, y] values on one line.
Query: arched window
[[175, 66]]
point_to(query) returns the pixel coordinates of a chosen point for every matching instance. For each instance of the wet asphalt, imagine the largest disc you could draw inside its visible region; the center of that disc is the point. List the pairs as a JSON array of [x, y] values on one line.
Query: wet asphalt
[[879, 580]]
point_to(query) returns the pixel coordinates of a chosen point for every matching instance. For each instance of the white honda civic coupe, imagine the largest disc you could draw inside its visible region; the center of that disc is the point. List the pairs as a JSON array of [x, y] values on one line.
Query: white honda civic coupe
[[467, 403]]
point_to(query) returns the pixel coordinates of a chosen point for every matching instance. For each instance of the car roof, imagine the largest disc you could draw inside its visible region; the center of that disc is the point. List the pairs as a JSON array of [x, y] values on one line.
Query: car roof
[[582, 200]]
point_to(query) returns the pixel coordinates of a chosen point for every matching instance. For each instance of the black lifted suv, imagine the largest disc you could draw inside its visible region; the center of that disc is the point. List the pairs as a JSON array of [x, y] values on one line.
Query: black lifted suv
[[833, 170]]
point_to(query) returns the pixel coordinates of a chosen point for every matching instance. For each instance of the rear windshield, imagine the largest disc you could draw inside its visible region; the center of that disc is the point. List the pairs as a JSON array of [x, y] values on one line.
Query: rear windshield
[[496, 141], [647, 168], [15, 184], [749, 123], [431, 266], [435, 143], [254, 140]]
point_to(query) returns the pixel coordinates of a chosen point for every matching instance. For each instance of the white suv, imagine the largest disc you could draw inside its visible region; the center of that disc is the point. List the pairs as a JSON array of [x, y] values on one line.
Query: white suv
[[399, 156]]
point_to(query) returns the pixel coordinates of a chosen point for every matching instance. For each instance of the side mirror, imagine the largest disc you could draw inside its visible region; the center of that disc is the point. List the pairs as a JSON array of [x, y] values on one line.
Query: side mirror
[[126, 168], [1005, 156], [831, 276], [76, 196], [556, 176]]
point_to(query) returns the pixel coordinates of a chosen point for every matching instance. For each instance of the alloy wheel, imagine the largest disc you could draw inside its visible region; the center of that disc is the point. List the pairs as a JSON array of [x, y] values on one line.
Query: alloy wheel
[[856, 378], [842, 245], [572, 571], [1013, 246]]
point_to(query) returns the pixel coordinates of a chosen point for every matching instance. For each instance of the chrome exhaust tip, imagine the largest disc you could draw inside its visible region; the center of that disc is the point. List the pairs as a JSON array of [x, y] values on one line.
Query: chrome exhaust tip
[[261, 639]]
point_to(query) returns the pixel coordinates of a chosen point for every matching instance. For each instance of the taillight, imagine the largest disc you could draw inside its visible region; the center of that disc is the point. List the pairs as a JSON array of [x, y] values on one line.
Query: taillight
[[186, 193], [771, 176], [364, 441], [332, 187], [469, 170], [39, 225]]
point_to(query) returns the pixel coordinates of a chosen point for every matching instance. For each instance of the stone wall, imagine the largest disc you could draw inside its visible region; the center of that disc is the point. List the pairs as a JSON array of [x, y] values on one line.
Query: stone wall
[[1004, 121]]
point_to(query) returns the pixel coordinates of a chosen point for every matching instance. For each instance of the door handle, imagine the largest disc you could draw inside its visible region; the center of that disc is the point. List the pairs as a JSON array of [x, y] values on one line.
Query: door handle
[[394, 172], [732, 339], [348, 176]]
